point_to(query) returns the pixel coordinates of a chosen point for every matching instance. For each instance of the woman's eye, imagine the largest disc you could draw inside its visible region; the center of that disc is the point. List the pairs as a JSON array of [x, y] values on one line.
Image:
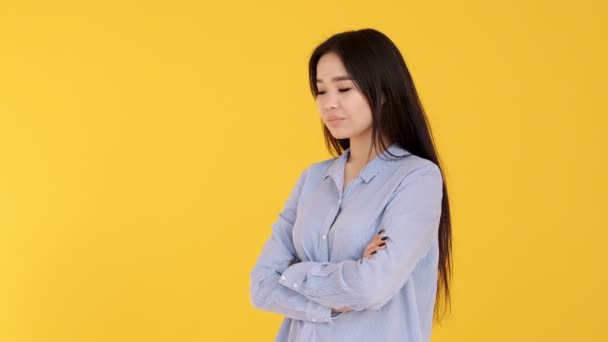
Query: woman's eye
[[340, 90]]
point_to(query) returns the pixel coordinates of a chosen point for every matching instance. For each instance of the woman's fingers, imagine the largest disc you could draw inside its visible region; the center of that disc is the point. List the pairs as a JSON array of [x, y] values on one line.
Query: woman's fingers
[[377, 243], [374, 247], [377, 247], [371, 252], [378, 240]]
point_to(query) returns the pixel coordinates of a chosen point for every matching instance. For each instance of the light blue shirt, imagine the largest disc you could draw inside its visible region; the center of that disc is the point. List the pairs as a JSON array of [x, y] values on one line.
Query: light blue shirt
[[313, 259]]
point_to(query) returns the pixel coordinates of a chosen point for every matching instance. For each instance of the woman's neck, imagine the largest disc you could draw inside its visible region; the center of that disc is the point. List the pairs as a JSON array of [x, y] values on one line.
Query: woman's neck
[[360, 153]]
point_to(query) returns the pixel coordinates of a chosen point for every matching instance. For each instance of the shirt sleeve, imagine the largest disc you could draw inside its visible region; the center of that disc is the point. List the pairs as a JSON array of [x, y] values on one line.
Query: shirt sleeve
[[277, 254], [411, 220]]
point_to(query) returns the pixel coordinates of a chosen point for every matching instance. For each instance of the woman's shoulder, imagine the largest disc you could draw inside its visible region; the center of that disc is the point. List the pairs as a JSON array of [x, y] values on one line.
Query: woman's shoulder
[[413, 162], [414, 168]]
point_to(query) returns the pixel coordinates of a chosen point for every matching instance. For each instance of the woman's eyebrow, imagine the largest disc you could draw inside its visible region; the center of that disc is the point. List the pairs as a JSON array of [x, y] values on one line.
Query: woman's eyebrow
[[337, 78]]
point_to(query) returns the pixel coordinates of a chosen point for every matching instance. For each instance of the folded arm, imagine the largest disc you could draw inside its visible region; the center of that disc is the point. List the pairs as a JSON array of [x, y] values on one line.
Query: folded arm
[[411, 221], [278, 253]]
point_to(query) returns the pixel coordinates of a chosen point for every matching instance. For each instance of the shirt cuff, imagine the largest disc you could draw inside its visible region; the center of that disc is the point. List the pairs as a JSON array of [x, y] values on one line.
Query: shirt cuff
[[294, 275], [293, 278]]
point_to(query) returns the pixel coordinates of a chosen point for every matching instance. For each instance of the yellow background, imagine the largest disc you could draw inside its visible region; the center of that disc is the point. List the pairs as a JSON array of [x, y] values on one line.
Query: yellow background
[[147, 147]]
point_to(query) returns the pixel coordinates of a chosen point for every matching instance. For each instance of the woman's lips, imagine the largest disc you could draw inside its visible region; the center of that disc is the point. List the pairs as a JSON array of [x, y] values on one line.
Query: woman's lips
[[334, 121]]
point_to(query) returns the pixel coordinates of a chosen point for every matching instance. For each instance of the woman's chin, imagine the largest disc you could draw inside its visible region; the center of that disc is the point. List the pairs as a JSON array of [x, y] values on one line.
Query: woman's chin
[[340, 136], [337, 134]]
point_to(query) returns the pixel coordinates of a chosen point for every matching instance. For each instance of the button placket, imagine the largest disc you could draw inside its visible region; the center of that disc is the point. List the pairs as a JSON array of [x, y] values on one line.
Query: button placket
[[324, 236]]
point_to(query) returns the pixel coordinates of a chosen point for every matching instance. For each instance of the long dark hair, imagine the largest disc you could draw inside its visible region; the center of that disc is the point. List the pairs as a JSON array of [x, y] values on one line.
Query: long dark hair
[[379, 72]]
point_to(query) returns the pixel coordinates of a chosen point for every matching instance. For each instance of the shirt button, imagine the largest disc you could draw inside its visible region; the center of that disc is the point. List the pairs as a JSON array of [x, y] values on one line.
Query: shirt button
[[282, 277], [295, 285], [314, 319], [323, 237], [327, 320]]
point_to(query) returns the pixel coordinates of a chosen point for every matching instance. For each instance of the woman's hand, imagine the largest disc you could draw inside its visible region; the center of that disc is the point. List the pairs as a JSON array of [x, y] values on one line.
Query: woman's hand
[[377, 243]]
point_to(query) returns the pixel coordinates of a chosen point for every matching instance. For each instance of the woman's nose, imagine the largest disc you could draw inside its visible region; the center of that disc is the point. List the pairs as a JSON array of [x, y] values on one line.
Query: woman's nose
[[330, 102]]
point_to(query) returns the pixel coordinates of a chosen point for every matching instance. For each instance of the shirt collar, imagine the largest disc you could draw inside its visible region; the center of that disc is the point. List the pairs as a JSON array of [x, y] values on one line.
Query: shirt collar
[[372, 168]]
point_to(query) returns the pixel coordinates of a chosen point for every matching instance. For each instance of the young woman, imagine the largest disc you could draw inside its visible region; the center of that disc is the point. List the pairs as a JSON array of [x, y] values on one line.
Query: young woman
[[362, 248]]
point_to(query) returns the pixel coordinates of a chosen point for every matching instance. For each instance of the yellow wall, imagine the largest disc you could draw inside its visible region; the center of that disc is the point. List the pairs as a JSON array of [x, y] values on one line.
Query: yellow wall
[[147, 147]]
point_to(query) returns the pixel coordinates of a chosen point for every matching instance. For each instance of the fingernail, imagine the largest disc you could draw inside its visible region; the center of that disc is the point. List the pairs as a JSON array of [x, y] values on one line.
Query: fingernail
[[382, 231], [384, 238], [382, 244], [374, 252]]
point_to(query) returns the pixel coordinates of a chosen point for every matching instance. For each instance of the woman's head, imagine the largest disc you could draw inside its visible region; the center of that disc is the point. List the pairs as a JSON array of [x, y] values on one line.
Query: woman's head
[[344, 109], [361, 77], [379, 76]]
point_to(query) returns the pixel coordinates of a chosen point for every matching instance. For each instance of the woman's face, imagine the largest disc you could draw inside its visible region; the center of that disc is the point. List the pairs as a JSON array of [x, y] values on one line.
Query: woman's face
[[343, 108]]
